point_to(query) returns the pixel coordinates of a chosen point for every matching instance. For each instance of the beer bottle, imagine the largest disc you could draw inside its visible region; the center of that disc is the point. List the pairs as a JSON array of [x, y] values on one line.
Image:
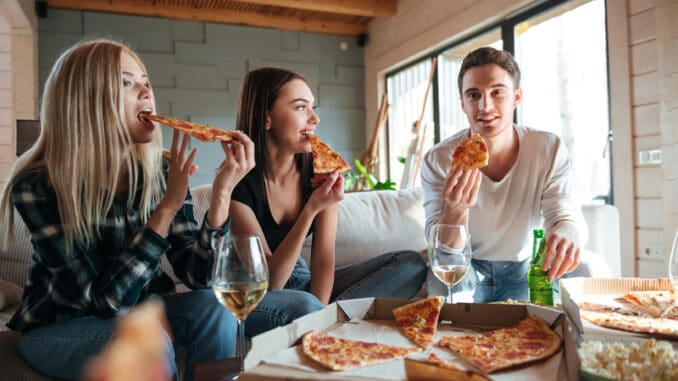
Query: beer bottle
[[541, 287]]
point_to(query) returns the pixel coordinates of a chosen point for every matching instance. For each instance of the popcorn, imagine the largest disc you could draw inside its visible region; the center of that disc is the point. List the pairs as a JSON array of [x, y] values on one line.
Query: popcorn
[[647, 360]]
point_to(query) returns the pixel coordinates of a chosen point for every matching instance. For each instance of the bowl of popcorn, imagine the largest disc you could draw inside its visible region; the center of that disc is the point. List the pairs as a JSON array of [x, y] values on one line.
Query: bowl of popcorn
[[644, 360]]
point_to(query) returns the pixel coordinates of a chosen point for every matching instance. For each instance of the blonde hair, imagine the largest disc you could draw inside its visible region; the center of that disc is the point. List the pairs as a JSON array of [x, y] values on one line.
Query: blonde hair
[[84, 141]]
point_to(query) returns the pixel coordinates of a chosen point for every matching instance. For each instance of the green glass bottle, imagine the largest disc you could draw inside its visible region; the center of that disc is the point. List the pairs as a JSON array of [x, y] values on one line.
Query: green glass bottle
[[541, 287]]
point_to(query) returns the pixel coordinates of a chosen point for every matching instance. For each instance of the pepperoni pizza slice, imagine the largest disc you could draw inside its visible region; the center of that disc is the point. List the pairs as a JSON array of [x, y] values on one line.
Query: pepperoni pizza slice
[[528, 341], [325, 159], [655, 303], [340, 354], [419, 320], [199, 131], [471, 153]]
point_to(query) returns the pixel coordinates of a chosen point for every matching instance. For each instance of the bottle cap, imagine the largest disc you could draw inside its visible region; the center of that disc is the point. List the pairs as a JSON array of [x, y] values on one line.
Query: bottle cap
[[538, 233]]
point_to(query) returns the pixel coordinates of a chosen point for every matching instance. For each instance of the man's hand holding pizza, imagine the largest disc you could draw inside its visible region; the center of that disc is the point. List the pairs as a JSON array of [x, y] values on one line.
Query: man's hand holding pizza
[[459, 193], [562, 249]]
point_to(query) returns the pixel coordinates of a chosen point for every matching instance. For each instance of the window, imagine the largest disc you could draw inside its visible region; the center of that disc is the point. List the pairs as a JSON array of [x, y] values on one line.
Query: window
[[563, 92], [405, 96]]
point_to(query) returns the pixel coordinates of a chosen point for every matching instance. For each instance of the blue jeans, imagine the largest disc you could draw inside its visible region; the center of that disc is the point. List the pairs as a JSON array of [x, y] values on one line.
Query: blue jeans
[[489, 281], [199, 325]]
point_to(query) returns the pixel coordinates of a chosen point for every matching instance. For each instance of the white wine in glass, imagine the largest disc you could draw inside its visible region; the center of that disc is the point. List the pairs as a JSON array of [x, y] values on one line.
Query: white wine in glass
[[449, 254], [239, 279]]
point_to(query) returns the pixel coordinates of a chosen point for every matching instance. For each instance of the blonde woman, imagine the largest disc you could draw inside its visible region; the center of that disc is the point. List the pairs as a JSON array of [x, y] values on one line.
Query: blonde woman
[[103, 207]]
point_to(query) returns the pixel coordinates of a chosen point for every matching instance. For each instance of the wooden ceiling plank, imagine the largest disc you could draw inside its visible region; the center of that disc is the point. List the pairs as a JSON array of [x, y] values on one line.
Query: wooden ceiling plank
[[369, 8], [298, 24]]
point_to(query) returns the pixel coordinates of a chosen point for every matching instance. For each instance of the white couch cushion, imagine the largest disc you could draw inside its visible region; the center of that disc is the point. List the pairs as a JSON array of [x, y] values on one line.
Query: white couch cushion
[[377, 222]]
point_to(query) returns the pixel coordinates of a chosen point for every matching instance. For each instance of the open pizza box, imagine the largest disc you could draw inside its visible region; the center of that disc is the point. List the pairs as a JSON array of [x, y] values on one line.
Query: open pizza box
[[277, 354], [607, 291]]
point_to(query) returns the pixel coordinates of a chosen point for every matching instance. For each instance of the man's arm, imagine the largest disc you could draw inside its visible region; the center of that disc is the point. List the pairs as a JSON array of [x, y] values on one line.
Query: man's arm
[[567, 232]]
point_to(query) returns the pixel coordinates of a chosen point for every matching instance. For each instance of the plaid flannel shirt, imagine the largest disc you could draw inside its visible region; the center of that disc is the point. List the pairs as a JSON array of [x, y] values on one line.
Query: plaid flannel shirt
[[106, 277]]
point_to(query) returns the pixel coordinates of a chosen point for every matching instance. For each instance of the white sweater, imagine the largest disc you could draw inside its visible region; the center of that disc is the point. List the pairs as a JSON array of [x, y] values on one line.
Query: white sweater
[[540, 184]]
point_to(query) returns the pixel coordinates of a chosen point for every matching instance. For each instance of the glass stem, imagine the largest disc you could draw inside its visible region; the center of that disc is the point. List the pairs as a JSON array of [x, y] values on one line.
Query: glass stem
[[241, 344], [449, 294]]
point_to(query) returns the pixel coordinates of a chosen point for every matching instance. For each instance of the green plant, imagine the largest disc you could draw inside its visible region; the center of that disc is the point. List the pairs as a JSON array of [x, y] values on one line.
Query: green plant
[[353, 180]]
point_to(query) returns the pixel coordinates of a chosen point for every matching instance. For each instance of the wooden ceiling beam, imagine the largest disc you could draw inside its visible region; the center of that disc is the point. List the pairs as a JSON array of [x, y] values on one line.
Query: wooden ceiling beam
[[369, 8], [298, 24]]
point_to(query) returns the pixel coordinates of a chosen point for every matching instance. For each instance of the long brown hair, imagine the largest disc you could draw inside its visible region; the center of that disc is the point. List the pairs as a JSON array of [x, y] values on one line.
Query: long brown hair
[[259, 91], [84, 140]]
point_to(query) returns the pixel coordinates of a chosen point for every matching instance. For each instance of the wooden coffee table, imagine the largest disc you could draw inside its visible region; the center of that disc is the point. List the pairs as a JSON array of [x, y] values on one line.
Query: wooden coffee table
[[216, 370]]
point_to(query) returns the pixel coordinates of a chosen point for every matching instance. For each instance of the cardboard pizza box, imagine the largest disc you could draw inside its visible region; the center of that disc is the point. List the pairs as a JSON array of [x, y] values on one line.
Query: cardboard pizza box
[[369, 318], [604, 291]]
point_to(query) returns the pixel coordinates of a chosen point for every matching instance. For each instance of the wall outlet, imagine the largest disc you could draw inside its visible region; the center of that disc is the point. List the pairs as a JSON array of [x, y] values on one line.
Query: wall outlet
[[650, 157], [652, 252]]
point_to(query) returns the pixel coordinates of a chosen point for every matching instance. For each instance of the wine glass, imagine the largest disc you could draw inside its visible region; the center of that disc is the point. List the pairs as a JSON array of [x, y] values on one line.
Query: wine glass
[[673, 262], [449, 254], [239, 279]]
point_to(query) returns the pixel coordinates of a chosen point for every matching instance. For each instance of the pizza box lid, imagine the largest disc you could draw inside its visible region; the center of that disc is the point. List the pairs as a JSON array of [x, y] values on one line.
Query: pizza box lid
[[462, 315], [603, 291]]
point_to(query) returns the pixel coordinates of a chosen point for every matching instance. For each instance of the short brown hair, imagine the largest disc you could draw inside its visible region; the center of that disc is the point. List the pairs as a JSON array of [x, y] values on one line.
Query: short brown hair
[[489, 56]]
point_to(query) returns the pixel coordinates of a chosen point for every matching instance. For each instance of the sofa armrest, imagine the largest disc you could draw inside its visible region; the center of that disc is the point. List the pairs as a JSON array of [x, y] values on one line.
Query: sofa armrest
[[10, 293]]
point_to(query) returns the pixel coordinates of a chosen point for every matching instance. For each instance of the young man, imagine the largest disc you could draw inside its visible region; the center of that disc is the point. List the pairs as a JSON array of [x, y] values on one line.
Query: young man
[[527, 184]]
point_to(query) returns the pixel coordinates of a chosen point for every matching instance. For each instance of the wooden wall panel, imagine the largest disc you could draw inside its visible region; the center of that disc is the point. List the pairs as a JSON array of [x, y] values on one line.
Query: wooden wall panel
[[637, 6], [644, 57], [649, 182], [646, 120], [649, 213], [652, 269], [642, 27], [645, 89], [649, 241]]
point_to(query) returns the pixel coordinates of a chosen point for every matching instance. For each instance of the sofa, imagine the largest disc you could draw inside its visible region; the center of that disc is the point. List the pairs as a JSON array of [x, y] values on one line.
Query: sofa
[[370, 223]]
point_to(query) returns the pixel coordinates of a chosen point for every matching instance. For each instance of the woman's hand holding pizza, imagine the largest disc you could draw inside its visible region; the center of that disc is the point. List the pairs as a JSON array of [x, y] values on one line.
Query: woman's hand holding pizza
[[329, 192], [239, 161], [459, 193], [562, 249], [180, 169]]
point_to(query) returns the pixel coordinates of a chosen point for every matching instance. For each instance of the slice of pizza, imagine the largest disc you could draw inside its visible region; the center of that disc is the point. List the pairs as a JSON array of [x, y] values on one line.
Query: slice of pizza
[[419, 320], [325, 159], [340, 354], [137, 350], [471, 153], [528, 341], [627, 320], [433, 368], [655, 303], [199, 131]]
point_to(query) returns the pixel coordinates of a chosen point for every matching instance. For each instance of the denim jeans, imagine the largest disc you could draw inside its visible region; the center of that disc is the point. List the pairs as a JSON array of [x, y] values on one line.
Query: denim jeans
[[202, 327], [487, 281]]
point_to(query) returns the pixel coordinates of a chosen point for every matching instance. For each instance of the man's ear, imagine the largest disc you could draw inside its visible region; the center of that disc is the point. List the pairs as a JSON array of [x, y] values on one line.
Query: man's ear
[[517, 97]]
